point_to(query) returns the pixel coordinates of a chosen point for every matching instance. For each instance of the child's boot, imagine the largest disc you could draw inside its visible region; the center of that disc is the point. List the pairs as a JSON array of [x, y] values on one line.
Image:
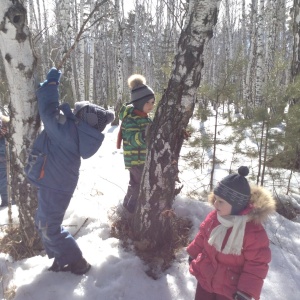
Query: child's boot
[[80, 267]]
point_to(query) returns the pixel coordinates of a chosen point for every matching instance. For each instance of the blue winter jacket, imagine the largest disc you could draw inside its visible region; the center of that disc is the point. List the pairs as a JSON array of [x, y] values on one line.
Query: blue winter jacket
[[55, 158]]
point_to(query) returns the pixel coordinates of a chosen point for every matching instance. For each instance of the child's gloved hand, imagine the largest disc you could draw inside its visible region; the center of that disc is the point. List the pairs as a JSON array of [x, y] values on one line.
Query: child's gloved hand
[[52, 76]]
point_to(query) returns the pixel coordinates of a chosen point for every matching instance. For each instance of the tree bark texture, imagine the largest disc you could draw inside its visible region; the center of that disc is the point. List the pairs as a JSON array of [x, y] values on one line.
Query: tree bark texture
[[296, 34], [20, 65], [153, 218]]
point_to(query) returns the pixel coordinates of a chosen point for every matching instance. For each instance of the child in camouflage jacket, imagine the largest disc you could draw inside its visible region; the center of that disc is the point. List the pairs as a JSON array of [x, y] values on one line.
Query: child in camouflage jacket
[[135, 121]]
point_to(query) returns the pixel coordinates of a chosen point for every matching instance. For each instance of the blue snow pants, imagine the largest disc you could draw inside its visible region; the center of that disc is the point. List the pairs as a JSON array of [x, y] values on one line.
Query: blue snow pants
[[58, 242]]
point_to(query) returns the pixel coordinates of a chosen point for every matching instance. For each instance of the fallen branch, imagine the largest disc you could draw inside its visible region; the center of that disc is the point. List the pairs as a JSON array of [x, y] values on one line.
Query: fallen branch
[[80, 227]]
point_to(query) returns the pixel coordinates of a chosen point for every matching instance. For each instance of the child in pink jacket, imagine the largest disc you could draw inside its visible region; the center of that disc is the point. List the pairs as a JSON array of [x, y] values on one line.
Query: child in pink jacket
[[230, 254]]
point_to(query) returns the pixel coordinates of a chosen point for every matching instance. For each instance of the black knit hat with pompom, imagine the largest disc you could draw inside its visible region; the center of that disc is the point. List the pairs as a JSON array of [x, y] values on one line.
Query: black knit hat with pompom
[[140, 92], [235, 189]]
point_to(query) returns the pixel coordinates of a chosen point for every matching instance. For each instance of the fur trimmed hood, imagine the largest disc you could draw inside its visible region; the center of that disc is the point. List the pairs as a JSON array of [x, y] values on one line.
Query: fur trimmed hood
[[261, 204]]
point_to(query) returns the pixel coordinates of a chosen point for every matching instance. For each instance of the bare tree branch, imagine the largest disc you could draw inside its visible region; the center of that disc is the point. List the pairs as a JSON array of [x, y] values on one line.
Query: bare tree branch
[[81, 31]]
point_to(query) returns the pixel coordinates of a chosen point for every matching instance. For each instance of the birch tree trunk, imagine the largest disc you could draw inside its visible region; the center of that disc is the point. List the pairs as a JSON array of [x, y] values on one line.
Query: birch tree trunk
[[295, 68], [293, 140], [104, 67], [20, 65], [80, 58], [244, 52], [152, 224], [66, 33], [91, 57], [271, 16], [119, 60], [260, 55], [250, 78], [32, 15]]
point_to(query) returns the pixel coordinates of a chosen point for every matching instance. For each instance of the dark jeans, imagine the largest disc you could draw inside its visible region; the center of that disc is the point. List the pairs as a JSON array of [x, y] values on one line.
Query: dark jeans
[[58, 242], [202, 294], [133, 189]]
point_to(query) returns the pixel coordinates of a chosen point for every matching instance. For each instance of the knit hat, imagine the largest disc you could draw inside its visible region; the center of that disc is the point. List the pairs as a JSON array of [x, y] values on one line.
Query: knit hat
[[140, 92], [235, 189], [94, 115]]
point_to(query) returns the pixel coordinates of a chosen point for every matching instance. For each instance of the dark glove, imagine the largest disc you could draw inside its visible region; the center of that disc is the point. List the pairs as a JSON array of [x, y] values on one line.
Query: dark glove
[[52, 76], [144, 135], [241, 296], [190, 259], [145, 132]]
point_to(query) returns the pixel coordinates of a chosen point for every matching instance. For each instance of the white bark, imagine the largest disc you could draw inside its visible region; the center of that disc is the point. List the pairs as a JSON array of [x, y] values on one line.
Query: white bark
[[136, 40], [91, 57], [19, 63], [296, 36], [20, 68], [66, 37], [272, 24], [119, 55], [32, 15], [260, 54], [228, 27], [80, 58], [104, 69], [151, 222], [251, 63], [244, 52]]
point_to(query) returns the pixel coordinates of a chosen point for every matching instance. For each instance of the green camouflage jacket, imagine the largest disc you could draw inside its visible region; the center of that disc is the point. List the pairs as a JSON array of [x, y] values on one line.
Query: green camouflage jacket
[[133, 128]]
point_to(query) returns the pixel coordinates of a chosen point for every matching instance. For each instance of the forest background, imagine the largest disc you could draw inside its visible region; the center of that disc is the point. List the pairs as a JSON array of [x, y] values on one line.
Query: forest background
[[251, 64], [251, 60]]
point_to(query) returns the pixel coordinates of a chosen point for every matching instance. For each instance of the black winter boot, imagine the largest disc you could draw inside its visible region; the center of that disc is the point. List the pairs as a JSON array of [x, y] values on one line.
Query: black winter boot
[[80, 267], [56, 267]]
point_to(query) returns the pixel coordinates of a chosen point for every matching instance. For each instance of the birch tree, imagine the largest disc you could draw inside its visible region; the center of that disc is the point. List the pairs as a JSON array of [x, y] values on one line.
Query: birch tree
[[271, 16], [152, 224], [80, 59], [119, 59], [293, 125], [20, 67], [91, 57], [295, 67], [250, 75], [65, 33], [103, 76], [260, 55], [244, 51]]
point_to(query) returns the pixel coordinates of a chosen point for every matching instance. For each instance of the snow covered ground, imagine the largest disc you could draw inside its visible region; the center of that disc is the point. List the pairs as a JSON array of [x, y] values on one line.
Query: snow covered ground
[[118, 274]]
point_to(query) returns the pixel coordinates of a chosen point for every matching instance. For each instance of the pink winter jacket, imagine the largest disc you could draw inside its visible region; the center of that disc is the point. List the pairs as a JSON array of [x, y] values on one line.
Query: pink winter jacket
[[225, 274]]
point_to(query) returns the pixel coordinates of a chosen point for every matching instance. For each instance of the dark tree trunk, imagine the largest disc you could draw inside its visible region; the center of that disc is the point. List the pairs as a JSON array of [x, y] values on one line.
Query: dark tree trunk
[[152, 225]]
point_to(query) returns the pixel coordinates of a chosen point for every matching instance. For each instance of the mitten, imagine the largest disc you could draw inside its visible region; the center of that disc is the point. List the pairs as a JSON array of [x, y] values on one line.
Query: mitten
[[52, 76], [241, 296]]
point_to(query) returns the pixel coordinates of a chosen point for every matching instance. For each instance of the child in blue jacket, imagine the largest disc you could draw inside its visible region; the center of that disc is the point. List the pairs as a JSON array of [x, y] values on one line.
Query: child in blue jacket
[[53, 166]]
